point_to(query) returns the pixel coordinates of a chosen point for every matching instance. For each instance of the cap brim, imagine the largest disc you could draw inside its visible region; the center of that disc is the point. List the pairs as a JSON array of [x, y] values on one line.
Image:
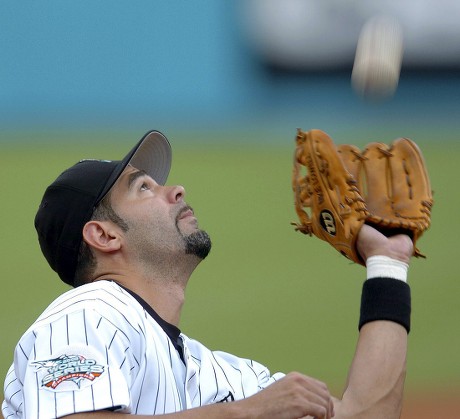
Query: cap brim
[[151, 154]]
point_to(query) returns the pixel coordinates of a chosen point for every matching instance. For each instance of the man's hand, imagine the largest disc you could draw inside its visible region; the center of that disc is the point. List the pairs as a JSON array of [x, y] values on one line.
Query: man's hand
[[371, 243], [294, 396]]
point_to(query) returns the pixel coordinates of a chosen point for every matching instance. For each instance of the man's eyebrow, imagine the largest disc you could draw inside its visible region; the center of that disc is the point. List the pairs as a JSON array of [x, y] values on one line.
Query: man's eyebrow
[[133, 176]]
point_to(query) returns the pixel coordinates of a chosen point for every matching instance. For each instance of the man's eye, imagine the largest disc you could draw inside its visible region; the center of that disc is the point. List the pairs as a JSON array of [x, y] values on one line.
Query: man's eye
[[145, 186]]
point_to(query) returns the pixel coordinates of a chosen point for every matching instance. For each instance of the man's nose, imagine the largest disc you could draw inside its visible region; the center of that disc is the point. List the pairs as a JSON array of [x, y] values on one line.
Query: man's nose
[[176, 193]]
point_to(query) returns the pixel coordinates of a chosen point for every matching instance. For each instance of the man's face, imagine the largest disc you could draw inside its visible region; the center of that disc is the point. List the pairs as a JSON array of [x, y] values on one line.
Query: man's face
[[160, 222]]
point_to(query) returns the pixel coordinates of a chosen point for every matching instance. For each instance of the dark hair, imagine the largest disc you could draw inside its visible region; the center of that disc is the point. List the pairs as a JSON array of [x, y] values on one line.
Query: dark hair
[[87, 262]]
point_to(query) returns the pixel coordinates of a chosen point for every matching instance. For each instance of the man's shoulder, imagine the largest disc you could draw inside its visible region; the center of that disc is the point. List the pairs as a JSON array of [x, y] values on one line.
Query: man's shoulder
[[94, 291], [106, 298]]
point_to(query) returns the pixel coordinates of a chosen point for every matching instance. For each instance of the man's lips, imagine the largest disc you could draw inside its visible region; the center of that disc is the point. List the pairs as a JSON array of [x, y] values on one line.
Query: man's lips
[[186, 212]]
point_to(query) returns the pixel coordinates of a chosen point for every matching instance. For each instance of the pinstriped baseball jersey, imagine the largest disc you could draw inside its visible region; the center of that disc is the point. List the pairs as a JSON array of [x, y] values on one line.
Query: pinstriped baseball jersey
[[99, 347]]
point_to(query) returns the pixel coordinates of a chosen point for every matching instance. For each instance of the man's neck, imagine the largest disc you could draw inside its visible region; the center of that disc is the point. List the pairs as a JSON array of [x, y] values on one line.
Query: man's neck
[[161, 285], [165, 297]]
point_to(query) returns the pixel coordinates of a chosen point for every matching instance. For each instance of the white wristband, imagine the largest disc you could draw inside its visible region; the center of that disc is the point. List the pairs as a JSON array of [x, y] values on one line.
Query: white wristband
[[386, 267]]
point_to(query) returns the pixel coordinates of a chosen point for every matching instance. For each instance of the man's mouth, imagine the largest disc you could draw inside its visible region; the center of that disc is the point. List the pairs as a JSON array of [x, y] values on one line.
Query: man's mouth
[[185, 212]]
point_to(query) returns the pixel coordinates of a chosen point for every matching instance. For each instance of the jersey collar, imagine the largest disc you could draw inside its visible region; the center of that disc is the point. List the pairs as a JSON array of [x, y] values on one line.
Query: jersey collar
[[172, 331]]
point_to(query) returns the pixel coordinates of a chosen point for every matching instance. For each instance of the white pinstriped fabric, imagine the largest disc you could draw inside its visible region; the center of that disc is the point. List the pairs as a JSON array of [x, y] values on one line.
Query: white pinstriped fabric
[[95, 347]]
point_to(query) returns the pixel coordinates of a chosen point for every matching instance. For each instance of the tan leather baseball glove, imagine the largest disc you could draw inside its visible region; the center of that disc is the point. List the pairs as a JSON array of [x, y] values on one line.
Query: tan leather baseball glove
[[338, 189]]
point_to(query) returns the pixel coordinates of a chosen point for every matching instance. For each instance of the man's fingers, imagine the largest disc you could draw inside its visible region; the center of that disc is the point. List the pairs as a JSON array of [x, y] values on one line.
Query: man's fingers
[[316, 395]]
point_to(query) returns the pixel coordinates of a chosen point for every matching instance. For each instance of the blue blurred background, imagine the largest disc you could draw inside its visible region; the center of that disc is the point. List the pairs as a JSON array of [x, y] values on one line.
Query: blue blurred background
[[215, 64]]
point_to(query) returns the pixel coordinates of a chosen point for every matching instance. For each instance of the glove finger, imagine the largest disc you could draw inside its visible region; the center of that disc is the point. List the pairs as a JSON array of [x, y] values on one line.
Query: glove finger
[[376, 188], [352, 159], [337, 209], [300, 186], [411, 188]]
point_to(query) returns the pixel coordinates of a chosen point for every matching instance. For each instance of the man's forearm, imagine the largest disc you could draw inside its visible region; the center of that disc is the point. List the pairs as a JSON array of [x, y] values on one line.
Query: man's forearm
[[376, 378], [293, 396], [222, 410]]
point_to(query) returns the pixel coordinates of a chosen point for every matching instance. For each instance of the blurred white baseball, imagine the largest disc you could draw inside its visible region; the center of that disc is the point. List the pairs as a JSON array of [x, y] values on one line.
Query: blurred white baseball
[[378, 59]]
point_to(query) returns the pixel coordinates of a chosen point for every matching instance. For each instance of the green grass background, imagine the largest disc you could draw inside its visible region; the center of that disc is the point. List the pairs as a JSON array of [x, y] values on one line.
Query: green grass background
[[265, 292]]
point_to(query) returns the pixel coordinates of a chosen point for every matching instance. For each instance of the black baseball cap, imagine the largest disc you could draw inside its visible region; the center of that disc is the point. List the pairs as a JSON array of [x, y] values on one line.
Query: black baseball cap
[[69, 202]]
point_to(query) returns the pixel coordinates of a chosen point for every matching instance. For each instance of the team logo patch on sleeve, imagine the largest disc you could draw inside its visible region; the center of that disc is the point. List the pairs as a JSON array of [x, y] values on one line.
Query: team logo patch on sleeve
[[65, 370]]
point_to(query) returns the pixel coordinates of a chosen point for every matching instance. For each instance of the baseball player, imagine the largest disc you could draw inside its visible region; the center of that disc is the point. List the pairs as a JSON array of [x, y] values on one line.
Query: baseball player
[[128, 245]]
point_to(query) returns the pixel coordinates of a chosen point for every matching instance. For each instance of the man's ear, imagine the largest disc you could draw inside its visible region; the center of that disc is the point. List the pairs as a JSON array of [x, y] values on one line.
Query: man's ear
[[102, 236]]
